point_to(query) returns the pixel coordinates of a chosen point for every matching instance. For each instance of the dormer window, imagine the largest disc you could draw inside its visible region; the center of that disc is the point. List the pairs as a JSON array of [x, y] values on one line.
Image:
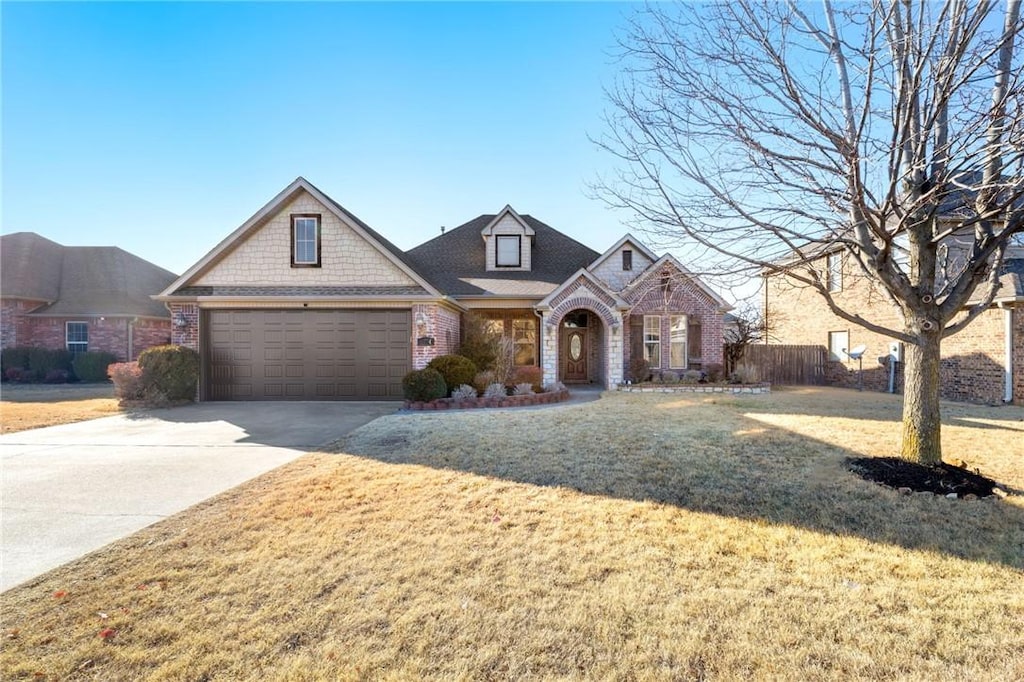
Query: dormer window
[[306, 240], [509, 253], [627, 259]]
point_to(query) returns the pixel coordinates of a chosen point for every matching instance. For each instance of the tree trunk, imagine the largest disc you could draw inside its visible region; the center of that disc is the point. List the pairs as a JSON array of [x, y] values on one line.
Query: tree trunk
[[921, 422]]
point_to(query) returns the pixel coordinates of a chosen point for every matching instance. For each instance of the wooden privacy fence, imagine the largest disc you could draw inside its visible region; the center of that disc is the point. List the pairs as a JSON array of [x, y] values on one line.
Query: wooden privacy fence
[[786, 365]]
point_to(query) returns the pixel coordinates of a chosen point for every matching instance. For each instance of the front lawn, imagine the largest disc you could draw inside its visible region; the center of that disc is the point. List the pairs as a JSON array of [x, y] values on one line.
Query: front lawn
[[32, 406], [643, 536]]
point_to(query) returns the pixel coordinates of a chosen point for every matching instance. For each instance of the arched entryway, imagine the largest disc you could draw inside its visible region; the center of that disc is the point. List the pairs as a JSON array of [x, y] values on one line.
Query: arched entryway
[[582, 349]]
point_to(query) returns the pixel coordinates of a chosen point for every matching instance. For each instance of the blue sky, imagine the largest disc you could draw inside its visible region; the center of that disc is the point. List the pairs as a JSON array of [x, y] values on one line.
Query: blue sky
[[161, 127]]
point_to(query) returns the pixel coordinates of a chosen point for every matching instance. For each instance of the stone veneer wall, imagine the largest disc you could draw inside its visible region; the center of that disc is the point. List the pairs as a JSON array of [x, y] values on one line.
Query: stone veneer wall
[[442, 324], [973, 360], [584, 296]]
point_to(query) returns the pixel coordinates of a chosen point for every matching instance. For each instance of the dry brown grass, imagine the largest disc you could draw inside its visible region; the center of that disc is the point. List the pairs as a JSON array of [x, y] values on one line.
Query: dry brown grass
[[639, 537], [34, 407]]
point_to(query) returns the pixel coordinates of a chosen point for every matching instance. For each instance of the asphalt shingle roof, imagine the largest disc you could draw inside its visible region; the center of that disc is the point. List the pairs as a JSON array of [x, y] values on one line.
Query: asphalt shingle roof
[[80, 280], [299, 291], [455, 262]]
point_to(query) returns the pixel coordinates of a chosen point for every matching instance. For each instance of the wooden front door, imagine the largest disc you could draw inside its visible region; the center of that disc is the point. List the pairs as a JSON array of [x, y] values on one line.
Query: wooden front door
[[574, 350]]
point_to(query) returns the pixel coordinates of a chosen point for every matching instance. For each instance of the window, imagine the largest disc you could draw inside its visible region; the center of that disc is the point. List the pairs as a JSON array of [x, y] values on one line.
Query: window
[[77, 336], [835, 272], [677, 342], [508, 253], [306, 240], [838, 343], [627, 259], [524, 338], [652, 340]]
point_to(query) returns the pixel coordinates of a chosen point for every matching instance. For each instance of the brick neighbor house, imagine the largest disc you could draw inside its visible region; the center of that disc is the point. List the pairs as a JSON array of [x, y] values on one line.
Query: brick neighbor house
[[81, 298], [982, 363], [304, 301]]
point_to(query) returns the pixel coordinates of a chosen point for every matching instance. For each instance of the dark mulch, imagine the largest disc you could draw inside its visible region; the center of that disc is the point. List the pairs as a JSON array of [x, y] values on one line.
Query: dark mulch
[[941, 479]]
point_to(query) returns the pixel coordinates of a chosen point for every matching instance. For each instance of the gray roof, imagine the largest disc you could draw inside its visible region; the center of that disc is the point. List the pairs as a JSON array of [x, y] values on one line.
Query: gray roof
[[1011, 280], [80, 280], [311, 292], [455, 262]]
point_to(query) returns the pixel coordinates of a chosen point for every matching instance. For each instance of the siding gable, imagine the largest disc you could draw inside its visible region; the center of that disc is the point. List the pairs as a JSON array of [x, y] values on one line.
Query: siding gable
[[264, 257], [610, 271]]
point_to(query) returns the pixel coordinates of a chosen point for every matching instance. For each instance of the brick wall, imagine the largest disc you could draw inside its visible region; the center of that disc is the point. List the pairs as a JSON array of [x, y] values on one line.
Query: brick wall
[[107, 334], [440, 323], [12, 325], [973, 360], [264, 258], [187, 334]]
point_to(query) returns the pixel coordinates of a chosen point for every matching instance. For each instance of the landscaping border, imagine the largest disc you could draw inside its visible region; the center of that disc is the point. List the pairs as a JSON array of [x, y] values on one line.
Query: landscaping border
[[479, 403], [750, 389]]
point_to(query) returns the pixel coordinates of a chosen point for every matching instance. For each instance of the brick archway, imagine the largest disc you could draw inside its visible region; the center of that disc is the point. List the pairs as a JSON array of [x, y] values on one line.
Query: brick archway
[[604, 337]]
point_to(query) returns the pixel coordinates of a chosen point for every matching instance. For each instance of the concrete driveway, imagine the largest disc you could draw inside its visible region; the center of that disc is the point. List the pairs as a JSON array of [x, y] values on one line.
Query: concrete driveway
[[68, 490]]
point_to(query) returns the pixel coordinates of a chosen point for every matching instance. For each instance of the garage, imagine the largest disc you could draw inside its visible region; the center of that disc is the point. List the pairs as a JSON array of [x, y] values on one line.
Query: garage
[[306, 354]]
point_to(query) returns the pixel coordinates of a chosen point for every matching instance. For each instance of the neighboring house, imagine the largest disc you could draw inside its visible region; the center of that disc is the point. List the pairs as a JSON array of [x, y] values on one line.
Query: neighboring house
[[305, 301], [982, 363], [81, 298]]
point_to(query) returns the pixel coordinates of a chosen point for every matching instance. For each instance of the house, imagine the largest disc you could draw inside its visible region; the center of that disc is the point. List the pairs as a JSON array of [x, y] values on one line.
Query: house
[[982, 363], [81, 298], [305, 301]]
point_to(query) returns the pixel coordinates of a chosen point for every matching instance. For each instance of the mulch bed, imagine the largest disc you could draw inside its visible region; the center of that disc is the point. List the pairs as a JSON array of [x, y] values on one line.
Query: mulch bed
[[941, 479]]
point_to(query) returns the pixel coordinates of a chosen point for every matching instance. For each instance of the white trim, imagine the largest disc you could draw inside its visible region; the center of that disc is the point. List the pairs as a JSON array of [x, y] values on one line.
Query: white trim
[[627, 239], [67, 330], [686, 341], [507, 211], [590, 277], [1008, 351]]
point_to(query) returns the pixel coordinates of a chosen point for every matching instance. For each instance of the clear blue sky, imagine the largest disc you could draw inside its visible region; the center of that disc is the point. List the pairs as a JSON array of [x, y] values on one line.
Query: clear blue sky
[[160, 128]]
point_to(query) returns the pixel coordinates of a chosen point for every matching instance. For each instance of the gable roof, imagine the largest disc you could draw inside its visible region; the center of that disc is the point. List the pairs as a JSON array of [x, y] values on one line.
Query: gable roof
[[511, 212], [80, 280], [626, 239], [456, 261], [573, 281], [669, 259], [300, 184]]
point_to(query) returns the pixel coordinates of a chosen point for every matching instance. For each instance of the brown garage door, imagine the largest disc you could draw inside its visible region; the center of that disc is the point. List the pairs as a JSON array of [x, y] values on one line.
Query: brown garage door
[[306, 354]]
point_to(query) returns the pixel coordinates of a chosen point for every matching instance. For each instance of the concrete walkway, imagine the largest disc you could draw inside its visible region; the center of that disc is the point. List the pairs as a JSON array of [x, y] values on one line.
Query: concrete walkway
[[68, 490]]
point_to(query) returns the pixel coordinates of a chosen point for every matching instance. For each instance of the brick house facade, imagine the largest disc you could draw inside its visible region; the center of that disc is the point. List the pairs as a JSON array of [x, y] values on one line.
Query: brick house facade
[[978, 363], [80, 298], [306, 301]]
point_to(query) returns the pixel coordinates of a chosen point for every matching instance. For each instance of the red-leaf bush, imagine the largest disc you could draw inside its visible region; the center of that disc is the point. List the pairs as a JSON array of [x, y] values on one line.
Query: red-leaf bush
[[129, 383], [529, 374]]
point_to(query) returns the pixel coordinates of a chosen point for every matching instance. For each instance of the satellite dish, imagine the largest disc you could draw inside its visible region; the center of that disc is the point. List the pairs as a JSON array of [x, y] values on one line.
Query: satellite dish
[[858, 352]]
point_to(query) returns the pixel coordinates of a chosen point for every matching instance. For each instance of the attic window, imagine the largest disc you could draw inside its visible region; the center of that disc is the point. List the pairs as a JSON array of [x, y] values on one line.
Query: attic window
[[306, 240], [507, 251], [627, 259]]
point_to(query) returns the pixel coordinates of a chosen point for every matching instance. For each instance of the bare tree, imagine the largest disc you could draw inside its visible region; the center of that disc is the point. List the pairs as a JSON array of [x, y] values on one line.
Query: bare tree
[[762, 135], [748, 326]]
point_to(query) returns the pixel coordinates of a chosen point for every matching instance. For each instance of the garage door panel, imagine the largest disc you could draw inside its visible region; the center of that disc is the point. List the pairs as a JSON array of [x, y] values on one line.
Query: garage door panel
[[306, 354]]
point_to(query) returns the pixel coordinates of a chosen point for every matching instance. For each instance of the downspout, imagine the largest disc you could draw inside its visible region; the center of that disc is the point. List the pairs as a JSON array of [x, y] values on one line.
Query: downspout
[[1008, 350], [131, 344], [540, 343]]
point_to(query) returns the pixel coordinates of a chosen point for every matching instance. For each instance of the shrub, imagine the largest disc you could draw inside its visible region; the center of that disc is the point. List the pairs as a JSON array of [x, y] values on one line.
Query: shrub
[[670, 377], [56, 376], [128, 381], [424, 385], [42, 361], [692, 376], [92, 367], [479, 342], [495, 390], [13, 358], [454, 369], [529, 375], [505, 361], [639, 370], [715, 372], [554, 387], [523, 389], [482, 380], [170, 373], [17, 374], [742, 375], [464, 392]]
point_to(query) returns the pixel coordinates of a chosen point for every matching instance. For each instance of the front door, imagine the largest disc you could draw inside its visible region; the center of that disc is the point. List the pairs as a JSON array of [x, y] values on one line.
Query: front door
[[574, 349]]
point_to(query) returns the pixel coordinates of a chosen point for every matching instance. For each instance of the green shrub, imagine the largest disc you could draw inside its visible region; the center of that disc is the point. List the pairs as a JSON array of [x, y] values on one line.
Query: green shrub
[[92, 367], [42, 361], [170, 372], [424, 385], [14, 358], [479, 341], [529, 374], [454, 369], [715, 372]]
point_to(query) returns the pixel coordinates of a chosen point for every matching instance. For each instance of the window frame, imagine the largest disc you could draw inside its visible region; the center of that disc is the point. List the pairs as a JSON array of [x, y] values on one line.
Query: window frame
[[653, 344], [672, 342], [627, 260], [836, 334], [529, 340], [834, 271], [67, 337], [295, 218], [519, 251]]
